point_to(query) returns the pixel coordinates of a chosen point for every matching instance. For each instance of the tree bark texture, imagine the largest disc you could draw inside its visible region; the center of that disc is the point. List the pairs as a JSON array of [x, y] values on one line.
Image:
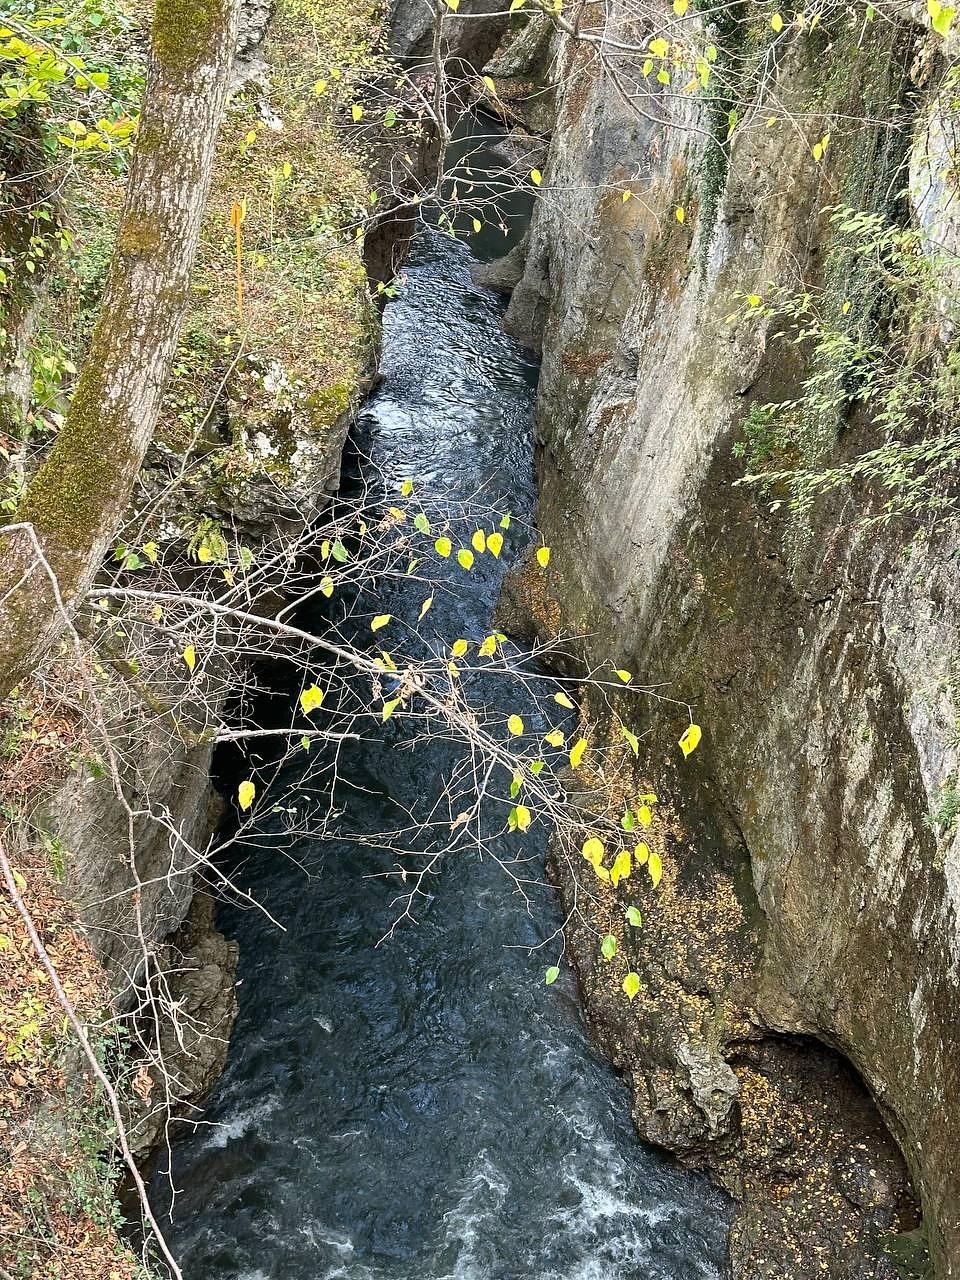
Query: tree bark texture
[[78, 496]]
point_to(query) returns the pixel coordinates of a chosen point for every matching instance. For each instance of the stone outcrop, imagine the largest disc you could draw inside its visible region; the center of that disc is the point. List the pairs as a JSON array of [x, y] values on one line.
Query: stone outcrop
[[811, 861]]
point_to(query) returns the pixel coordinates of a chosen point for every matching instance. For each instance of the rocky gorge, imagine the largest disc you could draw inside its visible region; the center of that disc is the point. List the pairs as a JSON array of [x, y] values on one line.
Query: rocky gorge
[[796, 1033]]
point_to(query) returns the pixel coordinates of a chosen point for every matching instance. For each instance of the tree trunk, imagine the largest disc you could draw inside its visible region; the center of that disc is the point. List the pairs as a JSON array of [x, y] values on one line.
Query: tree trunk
[[78, 496]]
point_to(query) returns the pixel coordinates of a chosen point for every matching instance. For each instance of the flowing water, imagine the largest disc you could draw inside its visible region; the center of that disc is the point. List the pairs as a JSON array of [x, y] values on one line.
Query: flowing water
[[426, 1107]]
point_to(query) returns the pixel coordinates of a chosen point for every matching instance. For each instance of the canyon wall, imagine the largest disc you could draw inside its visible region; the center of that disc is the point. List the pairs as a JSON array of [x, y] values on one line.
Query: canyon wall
[[811, 862]]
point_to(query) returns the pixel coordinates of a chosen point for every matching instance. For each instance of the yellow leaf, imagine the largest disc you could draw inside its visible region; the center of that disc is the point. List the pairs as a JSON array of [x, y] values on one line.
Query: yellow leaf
[[479, 541], [150, 550], [425, 607], [627, 195], [543, 556], [459, 648], [320, 88], [625, 676], [577, 753], [495, 544], [690, 739], [489, 85], [443, 547], [654, 868], [477, 226], [515, 726], [679, 214], [310, 699], [406, 488], [845, 309], [555, 738], [679, 7], [593, 851], [453, 4], [465, 558], [379, 621], [390, 707], [157, 612], [777, 22], [631, 738], [190, 657], [356, 111], [536, 177], [563, 700], [622, 866], [523, 817], [647, 798], [640, 854], [245, 793], [488, 648], [631, 984], [388, 662], [644, 815]]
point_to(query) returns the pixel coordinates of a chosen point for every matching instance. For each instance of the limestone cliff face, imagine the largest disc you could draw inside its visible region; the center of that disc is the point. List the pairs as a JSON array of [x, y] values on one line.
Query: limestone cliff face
[[809, 889]]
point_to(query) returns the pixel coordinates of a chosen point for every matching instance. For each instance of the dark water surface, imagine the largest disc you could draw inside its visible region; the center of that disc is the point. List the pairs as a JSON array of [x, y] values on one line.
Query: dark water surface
[[424, 1108]]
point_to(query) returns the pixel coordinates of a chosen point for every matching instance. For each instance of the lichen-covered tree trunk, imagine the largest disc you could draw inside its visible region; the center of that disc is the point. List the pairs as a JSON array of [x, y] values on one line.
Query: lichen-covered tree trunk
[[78, 496]]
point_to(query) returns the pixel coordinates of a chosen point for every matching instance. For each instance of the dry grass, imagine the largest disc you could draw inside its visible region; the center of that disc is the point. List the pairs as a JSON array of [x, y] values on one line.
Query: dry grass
[[56, 1204]]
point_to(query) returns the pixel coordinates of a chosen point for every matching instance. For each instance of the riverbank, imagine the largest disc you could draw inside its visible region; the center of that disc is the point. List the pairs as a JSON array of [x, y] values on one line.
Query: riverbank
[[810, 856], [107, 805]]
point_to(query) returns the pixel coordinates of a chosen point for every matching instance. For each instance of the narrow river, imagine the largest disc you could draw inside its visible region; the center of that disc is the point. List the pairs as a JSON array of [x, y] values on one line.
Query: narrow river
[[425, 1107]]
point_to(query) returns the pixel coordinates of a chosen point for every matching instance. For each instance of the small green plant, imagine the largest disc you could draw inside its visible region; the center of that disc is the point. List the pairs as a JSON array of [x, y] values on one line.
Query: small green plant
[[947, 812], [885, 355]]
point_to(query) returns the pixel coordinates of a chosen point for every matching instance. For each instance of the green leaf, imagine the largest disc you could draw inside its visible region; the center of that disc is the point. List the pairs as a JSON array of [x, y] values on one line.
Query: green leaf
[[631, 984], [305, 742], [421, 523], [339, 552], [628, 821], [505, 521], [390, 707], [631, 738], [515, 786], [608, 947], [465, 558], [245, 794], [443, 547], [634, 917], [552, 974]]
